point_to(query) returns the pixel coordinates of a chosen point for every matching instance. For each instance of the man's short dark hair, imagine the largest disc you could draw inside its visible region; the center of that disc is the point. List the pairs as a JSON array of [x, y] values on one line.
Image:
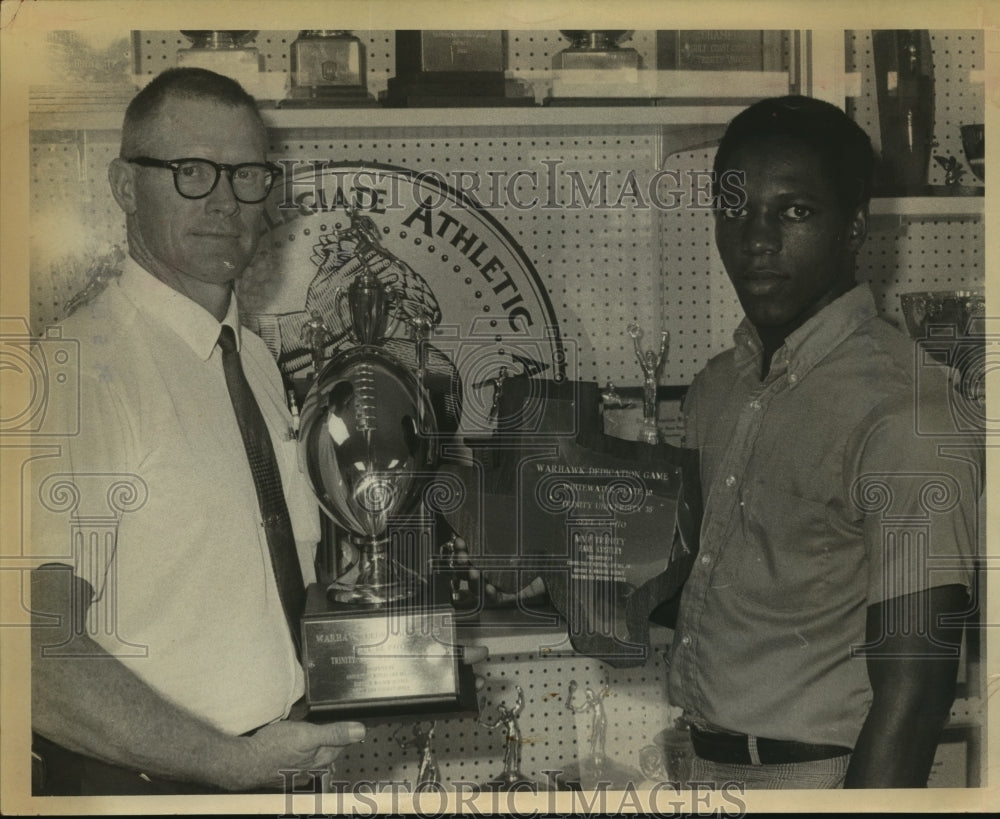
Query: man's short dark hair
[[180, 83], [842, 145]]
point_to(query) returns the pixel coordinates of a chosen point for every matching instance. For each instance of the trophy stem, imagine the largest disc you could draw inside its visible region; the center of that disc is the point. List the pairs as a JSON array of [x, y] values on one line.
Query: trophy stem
[[374, 578], [651, 362]]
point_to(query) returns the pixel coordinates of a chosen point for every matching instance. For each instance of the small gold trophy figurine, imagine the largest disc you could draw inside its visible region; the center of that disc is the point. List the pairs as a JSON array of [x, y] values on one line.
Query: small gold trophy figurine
[[652, 364], [422, 740]]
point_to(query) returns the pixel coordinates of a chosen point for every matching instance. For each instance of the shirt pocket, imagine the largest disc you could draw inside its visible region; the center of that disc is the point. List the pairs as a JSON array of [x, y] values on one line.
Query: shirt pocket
[[785, 559]]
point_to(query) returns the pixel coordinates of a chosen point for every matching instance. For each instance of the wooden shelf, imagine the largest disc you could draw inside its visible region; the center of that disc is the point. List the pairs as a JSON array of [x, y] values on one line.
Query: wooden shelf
[[928, 207], [391, 119], [506, 631]]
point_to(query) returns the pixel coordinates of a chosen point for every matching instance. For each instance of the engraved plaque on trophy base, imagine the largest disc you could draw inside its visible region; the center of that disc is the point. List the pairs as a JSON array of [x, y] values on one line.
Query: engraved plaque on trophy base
[[328, 98], [388, 661]]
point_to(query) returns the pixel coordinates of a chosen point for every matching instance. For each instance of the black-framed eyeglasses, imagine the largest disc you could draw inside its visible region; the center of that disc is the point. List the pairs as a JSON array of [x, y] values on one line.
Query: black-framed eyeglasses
[[196, 178]]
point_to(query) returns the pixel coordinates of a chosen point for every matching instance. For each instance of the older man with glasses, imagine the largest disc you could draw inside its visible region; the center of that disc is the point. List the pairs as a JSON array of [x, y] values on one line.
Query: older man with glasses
[[189, 688]]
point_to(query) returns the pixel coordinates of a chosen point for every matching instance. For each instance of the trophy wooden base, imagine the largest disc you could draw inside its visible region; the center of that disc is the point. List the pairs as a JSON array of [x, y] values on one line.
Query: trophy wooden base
[[516, 783], [598, 101], [329, 98], [377, 663], [452, 89], [586, 776]]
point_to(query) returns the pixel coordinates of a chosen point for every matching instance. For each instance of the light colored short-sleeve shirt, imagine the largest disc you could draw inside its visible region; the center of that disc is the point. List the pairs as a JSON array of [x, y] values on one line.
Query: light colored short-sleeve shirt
[[822, 497], [166, 527]]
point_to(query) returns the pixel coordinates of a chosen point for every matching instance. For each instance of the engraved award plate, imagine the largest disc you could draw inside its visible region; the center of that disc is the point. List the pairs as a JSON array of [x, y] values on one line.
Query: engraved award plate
[[384, 662], [610, 525], [453, 68], [719, 50]]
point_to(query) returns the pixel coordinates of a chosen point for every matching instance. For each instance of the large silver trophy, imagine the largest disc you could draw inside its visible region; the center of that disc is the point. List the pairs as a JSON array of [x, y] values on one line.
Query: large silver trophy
[[377, 643]]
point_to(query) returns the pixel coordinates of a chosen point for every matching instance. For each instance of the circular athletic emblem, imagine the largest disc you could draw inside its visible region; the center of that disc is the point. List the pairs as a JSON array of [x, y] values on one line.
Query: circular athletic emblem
[[443, 257]]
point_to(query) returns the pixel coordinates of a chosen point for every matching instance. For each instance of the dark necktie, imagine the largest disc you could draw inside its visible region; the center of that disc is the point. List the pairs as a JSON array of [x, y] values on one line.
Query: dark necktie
[[267, 480]]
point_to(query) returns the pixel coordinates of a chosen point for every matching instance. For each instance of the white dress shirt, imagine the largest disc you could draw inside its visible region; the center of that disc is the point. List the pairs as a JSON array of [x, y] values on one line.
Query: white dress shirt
[[186, 597]]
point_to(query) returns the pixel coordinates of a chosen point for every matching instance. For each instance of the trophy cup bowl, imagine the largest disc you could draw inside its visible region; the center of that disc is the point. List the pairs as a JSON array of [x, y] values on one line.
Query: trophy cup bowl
[[974, 145]]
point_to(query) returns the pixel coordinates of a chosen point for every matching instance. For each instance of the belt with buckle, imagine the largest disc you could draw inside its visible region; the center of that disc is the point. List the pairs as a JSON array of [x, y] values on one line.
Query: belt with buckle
[[741, 749]]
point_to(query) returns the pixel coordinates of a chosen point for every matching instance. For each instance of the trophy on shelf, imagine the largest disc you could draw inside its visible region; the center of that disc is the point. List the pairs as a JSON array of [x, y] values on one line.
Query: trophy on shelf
[[511, 778], [949, 326], [442, 68], [422, 738], [675, 743], [595, 767], [328, 70], [377, 643], [225, 52], [651, 362], [974, 146], [904, 90], [595, 68]]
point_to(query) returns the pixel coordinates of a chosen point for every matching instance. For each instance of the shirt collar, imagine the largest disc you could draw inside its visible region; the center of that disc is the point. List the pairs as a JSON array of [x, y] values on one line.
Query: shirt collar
[[811, 342], [162, 303]]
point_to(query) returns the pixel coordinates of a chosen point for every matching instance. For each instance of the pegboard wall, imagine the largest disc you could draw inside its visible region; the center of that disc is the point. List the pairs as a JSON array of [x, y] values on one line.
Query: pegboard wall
[[604, 267], [925, 254], [552, 736], [958, 100]]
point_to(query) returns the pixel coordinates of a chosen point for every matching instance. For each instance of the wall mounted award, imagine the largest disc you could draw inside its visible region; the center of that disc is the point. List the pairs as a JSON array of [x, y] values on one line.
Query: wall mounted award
[[609, 525], [719, 50]]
